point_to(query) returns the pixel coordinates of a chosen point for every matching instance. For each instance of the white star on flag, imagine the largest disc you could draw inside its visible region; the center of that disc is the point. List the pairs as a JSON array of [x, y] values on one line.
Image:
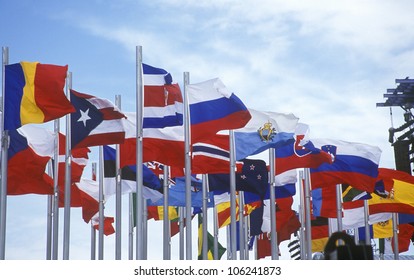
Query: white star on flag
[[84, 117], [252, 167]]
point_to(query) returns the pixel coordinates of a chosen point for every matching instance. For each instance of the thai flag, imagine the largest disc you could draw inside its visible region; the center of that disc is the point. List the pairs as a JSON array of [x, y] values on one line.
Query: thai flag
[[163, 102]]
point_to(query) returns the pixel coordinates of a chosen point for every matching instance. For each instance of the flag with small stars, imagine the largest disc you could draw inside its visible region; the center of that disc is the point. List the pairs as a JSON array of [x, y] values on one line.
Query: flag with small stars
[[96, 121], [252, 177]]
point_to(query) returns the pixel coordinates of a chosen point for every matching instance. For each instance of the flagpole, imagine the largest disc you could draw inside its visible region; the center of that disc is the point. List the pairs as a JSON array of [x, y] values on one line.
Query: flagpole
[[166, 220], [68, 172], [4, 148], [101, 206], [339, 206], [131, 227], [308, 227], [204, 225], [395, 235], [216, 232], [118, 193], [302, 218], [145, 229], [273, 235], [55, 202], [93, 231], [241, 226], [181, 234], [366, 220], [187, 144], [139, 150], [233, 233], [49, 223]]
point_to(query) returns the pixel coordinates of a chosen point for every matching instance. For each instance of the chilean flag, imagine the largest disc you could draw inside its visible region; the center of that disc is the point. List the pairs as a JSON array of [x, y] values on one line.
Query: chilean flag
[[163, 102], [213, 108], [29, 151], [96, 121], [355, 164]]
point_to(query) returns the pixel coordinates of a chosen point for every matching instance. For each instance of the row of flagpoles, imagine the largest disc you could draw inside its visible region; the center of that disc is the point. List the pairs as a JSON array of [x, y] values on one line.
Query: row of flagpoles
[[190, 137]]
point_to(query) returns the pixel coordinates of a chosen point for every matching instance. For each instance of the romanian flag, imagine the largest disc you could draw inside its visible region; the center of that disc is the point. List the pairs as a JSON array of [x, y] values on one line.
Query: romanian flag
[[34, 94], [399, 193]]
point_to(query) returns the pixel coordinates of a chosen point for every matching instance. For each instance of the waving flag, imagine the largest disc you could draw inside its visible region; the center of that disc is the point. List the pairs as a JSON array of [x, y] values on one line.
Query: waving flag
[[213, 108], [263, 131], [79, 159], [163, 102], [212, 155], [399, 193], [355, 164], [88, 193], [29, 151], [96, 121], [128, 178], [34, 93], [252, 178], [165, 145], [301, 153], [108, 224]]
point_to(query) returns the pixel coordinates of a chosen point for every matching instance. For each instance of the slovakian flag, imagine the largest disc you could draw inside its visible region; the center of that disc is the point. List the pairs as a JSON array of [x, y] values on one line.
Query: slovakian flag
[[213, 108], [300, 154], [34, 93], [96, 121], [398, 196], [354, 163], [30, 150], [164, 145], [163, 102], [263, 131], [152, 183]]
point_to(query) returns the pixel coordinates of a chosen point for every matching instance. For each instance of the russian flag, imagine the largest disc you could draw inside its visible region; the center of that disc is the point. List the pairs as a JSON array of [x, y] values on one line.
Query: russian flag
[[29, 151], [213, 108], [96, 121], [163, 101], [34, 94], [354, 163]]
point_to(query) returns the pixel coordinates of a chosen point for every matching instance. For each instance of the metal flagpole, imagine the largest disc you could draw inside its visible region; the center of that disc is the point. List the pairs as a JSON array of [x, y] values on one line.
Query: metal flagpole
[[4, 150], [139, 133], [215, 223], [166, 220], [118, 194], [68, 172], [302, 218], [233, 233], [204, 225], [181, 234], [339, 206], [366, 220], [308, 228], [131, 227], [101, 206], [145, 229], [55, 202], [273, 232], [242, 242], [187, 144], [395, 235], [49, 223], [93, 231]]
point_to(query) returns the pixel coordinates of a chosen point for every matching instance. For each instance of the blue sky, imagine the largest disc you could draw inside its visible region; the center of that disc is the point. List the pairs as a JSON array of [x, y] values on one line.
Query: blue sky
[[328, 62]]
